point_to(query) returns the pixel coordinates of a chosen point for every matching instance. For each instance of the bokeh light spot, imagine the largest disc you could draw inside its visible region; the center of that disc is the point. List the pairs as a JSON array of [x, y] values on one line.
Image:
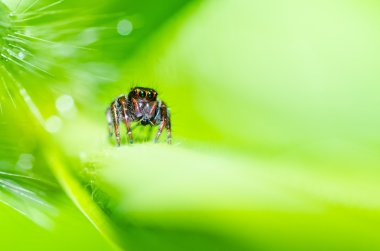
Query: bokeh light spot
[[64, 103], [25, 161], [124, 27], [53, 124]]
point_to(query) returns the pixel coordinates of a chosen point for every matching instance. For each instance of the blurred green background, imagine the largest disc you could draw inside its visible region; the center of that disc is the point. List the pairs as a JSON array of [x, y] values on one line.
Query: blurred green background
[[275, 125]]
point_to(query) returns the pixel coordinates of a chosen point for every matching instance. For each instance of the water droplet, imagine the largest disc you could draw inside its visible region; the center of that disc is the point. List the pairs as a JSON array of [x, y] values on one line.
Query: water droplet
[[124, 27], [21, 55]]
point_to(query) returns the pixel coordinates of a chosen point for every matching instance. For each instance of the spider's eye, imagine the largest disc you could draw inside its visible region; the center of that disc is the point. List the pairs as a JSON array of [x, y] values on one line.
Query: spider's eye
[[150, 95], [142, 94]]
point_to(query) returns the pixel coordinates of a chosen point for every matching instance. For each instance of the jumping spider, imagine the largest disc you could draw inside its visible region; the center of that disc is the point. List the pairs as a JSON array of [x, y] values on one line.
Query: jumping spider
[[141, 105]]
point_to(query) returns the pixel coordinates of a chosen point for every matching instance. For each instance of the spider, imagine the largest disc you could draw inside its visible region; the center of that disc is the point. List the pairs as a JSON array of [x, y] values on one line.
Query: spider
[[141, 105]]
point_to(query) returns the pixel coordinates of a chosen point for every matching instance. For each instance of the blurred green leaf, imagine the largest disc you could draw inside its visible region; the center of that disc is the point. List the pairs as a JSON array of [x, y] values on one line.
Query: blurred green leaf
[[274, 121]]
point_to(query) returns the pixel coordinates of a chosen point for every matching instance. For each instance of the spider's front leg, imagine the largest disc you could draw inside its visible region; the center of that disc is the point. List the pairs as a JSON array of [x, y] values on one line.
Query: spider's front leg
[[168, 127], [123, 103], [109, 121], [115, 119], [165, 122]]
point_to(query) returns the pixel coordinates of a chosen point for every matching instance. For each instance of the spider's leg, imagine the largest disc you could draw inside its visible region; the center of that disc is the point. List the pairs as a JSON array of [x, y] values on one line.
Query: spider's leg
[[168, 127], [109, 121], [115, 118], [123, 102], [164, 123]]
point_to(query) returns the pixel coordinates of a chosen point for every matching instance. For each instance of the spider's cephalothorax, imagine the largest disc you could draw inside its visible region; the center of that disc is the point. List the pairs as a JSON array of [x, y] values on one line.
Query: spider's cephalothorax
[[140, 105]]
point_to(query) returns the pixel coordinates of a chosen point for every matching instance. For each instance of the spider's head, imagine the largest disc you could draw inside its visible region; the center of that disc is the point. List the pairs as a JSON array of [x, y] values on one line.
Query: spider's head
[[144, 101], [143, 94]]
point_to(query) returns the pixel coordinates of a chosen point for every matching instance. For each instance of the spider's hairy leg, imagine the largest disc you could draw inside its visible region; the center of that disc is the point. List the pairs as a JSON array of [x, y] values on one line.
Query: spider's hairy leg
[[109, 121], [123, 103], [164, 123], [115, 117], [168, 127]]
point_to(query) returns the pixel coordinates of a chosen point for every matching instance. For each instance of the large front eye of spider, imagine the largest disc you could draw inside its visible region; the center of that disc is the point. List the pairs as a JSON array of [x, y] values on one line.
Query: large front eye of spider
[[142, 94], [150, 95]]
